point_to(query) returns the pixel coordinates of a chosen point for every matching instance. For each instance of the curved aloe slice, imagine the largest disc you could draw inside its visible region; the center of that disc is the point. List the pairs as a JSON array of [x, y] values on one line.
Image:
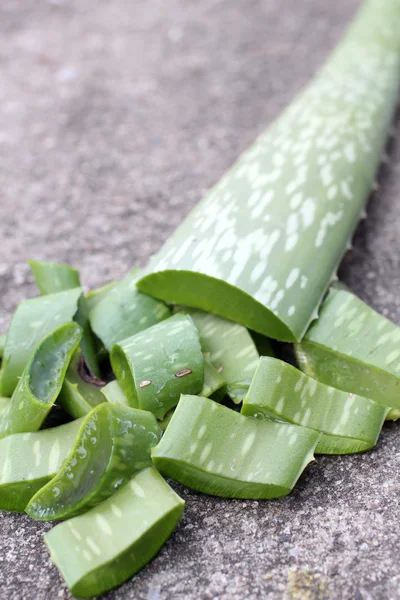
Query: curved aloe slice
[[29, 460], [77, 396], [213, 449], [353, 348], [93, 297], [109, 544], [154, 367], [41, 381], [113, 393], [213, 379], [231, 349], [112, 444], [124, 311], [248, 250], [349, 423], [33, 320]]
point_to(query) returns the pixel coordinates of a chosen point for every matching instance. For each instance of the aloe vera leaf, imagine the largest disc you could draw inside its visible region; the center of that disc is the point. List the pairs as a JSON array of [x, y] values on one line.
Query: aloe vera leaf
[[213, 449], [2, 345], [93, 297], [78, 397], [124, 311], [348, 423], [213, 379], [101, 549], [41, 381], [32, 321], [231, 348], [29, 460], [154, 367], [112, 444], [263, 245], [393, 415], [113, 393], [353, 348]]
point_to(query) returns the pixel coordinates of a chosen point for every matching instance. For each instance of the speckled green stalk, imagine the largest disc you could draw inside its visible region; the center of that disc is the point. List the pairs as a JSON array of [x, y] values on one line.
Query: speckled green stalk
[[77, 396], [349, 423], [263, 245], [29, 460], [124, 311], [112, 444], [353, 348], [154, 367], [41, 381], [231, 348], [213, 449], [100, 550]]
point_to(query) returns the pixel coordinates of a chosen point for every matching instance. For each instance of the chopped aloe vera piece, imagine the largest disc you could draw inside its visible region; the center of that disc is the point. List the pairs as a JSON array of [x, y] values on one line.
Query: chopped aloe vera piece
[[393, 415], [349, 423], [78, 397], [4, 402], [166, 420], [232, 350], [54, 277], [33, 320], [101, 549], [154, 367], [2, 344], [112, 444], [124, 311], [213, 379], [353, 348], [113, 393], [248, 250], [41, 381], [215, 450], [29, 460], [93, 297]]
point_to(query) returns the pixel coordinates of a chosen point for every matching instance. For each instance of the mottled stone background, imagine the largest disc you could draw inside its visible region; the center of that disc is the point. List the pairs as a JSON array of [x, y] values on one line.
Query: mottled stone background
[[115, 117]]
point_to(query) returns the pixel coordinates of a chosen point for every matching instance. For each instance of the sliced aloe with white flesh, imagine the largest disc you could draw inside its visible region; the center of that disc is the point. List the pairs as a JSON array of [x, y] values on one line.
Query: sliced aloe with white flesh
[[154, 367], [112, 444], [101, 549], [215, 450], [353, 348], [348, 423], [125, 311], [41, 381], [79, 395], [231, 349], [29, 460], [248, 250]]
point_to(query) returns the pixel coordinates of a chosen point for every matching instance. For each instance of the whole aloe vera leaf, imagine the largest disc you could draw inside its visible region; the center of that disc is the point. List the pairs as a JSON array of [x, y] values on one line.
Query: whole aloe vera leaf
[[32, 321], [112, 444], [231, 349], [41, 381], [29, 460], [213, 449], [104, 547], [124, 311], [353, 348], [348, 423], [78, 397], [264, 244], [154, 367]]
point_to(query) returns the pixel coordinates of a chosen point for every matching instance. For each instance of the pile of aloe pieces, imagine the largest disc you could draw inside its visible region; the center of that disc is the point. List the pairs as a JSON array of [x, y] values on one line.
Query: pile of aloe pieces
[[174, 372]]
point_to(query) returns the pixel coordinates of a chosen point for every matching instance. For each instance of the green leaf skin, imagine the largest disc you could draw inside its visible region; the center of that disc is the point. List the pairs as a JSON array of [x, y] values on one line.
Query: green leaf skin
[[32, 321], [93, 297], [4, 402], [213, 449], [157, 365], [232, 350], [54, 277], [349, 423], [353, 348], [124, 311], [264, 244], [113, 393], [78, 397], [106, 546], [213, 380], [2, 345], [41, 381], [29, 460], [113, 443]]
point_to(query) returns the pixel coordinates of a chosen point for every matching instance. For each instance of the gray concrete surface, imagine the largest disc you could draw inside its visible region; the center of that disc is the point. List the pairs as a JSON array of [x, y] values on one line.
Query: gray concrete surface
[[115, 116]]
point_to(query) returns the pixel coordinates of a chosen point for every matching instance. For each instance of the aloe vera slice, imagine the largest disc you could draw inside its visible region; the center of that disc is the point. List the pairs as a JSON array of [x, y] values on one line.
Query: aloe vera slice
[[349, 423], [101, 549], [154, 367], [32, 321], [248, 250], [124, 311], [213, 379], [41, 381], [353, 348], [77, 396], [4, 402], [231, 348], [213, 449], [93, 297], [113, 393], [112, 444], [29, 460]]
